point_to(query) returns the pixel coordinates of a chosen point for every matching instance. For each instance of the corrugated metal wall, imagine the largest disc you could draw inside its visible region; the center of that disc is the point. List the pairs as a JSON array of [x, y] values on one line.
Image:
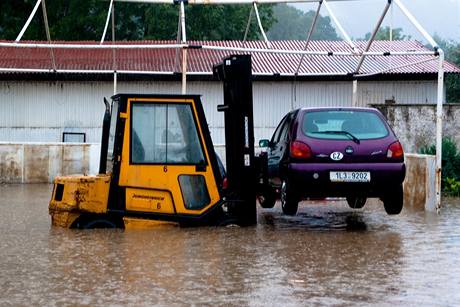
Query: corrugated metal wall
[[412, 92], [42, 111]]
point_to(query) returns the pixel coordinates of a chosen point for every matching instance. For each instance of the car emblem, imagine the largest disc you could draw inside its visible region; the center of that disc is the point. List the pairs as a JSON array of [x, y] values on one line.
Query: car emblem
[[336, 156], [349, 150]]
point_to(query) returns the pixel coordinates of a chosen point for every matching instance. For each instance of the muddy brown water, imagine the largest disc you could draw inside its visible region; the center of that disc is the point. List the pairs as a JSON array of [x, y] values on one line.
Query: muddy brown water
[[326, 255]]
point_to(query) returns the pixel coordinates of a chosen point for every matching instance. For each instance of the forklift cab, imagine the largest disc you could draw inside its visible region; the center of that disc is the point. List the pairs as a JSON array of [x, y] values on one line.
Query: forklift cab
[[157, 164], [161, 156]]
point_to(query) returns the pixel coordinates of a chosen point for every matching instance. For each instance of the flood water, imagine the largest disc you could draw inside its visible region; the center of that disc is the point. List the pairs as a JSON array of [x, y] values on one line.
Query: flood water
[[326, 255]]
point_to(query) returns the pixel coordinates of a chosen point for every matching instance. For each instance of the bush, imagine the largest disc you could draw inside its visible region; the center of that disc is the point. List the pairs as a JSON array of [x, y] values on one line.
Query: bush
[[450, 164]]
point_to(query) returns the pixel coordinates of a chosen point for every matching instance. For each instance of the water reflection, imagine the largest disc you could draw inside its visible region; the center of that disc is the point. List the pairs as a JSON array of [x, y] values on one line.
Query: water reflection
[[327, 254]]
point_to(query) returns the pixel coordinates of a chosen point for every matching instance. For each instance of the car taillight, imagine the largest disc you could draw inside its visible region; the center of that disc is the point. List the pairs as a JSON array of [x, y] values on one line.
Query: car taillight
[[395, 150], [225, 183], [300, 150]]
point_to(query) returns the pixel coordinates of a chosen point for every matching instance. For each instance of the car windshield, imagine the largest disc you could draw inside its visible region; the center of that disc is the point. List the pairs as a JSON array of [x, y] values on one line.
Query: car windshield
[[344, 124]]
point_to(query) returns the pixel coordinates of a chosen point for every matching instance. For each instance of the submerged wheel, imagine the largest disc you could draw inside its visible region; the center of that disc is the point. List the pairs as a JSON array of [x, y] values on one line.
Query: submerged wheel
[[356, 202], [267, 198], [289, 202], [97, 222], [393, 201]]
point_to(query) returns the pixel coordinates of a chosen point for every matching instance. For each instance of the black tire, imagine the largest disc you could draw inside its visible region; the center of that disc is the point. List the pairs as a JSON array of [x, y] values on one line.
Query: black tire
[[393, 201], [267, 198], [356, 202], [98, 222], [289, 201]]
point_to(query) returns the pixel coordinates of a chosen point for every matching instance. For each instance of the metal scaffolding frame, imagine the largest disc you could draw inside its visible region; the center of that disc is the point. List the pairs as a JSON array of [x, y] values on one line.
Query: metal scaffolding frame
[[437, 52]]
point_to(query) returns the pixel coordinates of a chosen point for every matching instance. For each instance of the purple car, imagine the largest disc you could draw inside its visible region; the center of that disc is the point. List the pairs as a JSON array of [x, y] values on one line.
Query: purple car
[[334, 152]]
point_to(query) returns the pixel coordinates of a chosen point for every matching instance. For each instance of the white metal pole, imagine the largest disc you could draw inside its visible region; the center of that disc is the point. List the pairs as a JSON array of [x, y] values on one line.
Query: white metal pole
[[90, 46], [391, 22], [184, 50], [341, 29], [260, 25], [208, 47], [416, 24], [26, 25], [310, 33], [371, 39], [393, 68], [247, 26], [114, 53], [107, 21], [48, 35], [439, 114], [354, 99]]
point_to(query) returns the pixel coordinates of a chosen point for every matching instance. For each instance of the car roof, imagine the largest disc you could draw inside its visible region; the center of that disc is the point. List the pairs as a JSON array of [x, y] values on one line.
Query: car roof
[[308, 109]]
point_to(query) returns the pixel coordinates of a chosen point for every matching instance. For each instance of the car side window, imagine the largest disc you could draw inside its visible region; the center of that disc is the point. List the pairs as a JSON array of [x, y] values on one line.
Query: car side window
[[279, 130], [285, 130]]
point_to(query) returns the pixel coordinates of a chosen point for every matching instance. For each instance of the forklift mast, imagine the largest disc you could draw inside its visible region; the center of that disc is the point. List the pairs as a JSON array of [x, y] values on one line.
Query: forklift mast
[[236, 74]]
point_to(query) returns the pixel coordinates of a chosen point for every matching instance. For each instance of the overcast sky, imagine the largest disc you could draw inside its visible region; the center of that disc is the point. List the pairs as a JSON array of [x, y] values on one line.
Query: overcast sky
[[359, 17]]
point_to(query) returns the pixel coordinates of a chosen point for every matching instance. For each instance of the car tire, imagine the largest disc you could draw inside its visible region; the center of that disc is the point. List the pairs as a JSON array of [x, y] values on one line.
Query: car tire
[[393, 201], [267, 198], [356, 202], [289, 201]]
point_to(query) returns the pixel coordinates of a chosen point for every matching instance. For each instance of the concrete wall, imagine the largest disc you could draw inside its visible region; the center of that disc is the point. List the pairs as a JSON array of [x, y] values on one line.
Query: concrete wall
[[420, 182], [41, 162], [415, 124]]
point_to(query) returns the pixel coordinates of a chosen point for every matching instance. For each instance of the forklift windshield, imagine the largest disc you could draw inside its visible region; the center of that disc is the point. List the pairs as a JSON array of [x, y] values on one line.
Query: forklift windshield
[[164, 134]]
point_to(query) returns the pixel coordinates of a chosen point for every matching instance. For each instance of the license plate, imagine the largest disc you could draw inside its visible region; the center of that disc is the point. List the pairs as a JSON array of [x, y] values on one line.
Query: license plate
[[350, 176]]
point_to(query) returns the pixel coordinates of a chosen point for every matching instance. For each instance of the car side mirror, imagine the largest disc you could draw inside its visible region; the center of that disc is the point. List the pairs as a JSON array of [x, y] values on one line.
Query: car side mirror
[[264, 143]]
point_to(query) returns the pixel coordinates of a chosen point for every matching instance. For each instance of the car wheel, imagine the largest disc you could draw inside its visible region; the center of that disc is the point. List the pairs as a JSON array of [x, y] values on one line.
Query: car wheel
[[289, 201], [393, 201], [267, 198], [356, 202]]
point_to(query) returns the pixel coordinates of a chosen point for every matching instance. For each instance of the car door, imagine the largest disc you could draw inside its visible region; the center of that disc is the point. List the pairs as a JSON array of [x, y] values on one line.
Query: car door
[[277, 150]]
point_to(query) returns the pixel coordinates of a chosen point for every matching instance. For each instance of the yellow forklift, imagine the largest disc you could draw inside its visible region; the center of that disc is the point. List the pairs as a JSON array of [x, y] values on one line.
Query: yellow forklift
[[158, 164]]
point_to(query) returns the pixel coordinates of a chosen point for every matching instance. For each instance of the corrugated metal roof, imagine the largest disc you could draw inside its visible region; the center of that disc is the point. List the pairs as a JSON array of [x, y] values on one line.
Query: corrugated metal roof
[[200, 61]]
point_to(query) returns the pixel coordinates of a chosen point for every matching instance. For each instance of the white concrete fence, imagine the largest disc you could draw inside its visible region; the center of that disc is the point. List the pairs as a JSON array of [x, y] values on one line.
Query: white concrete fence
[[41, 162]]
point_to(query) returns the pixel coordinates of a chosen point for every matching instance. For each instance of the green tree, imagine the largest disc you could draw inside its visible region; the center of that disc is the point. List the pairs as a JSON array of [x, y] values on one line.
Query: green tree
[[216, 22], [85, 19], [292, 23], [452, 82], [384, 34]]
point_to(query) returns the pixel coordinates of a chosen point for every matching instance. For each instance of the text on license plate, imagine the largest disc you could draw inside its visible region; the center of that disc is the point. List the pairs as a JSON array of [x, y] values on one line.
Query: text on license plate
[[350, 176]]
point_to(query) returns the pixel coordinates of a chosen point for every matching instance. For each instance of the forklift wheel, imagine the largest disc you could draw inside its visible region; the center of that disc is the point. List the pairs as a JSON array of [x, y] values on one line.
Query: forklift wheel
[[97, 222], [230, 222]]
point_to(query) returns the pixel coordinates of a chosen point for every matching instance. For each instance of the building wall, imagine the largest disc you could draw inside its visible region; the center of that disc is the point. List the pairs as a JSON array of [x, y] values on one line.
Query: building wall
[[413, 92], [41, 111]]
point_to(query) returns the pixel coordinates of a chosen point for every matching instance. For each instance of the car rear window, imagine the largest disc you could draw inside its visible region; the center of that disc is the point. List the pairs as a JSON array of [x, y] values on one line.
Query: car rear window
[[343, 124]]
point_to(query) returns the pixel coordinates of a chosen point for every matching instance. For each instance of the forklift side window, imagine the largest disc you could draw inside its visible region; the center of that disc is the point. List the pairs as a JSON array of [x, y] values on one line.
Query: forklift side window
[[194, 191], [113, 124], [164, 134]]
